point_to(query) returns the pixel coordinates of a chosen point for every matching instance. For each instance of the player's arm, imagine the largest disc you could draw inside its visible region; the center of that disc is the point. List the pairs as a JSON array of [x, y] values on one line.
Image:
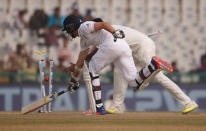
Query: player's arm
[[103, 25], [106, 26], [83, 55], [92, 53], [76, 69]]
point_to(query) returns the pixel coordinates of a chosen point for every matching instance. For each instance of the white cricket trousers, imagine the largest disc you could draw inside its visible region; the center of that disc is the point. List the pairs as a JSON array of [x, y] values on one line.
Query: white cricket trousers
[[118, 53]]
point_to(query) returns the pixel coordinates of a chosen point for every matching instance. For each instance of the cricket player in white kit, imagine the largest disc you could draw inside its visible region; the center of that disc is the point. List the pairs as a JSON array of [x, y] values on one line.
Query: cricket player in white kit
[[112, 49], [143, 49]]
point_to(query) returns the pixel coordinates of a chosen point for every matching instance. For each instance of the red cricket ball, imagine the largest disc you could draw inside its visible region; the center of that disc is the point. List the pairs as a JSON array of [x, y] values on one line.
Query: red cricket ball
[[46, 78]]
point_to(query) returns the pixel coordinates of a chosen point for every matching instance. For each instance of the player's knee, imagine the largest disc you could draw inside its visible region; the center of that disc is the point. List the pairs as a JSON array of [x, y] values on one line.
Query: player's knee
[[92, 67]]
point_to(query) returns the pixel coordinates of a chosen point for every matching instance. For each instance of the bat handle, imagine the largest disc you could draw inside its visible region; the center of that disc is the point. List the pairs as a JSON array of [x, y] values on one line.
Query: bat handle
[[61, 92]]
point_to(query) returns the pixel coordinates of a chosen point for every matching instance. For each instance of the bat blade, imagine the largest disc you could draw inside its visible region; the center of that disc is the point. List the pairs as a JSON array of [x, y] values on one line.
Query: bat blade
[[37, 104]]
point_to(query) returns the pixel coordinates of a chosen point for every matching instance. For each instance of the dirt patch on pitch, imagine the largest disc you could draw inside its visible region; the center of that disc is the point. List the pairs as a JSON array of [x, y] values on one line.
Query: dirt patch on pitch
[[75, 121]]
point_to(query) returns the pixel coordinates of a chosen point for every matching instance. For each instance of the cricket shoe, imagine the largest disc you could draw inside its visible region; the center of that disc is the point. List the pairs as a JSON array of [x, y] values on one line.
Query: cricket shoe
[[161, 64], [101, 111], [87, 112], [112, 111], [116, 109], [190, 107]]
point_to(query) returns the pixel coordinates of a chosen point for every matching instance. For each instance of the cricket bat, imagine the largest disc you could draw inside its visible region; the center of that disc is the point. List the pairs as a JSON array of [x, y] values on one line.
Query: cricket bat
[[39, 103]]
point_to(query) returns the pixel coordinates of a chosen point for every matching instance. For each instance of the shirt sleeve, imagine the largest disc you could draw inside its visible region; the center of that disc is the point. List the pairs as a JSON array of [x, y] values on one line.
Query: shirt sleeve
[[86, 27]]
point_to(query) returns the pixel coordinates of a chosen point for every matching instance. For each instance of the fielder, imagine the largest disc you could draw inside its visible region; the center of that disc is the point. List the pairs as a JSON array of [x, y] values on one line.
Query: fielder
[[112, 48], [143, 49]]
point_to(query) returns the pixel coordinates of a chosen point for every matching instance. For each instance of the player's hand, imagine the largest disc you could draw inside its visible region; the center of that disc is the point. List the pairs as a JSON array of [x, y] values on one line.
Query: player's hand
[[118, 34], [73, 86]]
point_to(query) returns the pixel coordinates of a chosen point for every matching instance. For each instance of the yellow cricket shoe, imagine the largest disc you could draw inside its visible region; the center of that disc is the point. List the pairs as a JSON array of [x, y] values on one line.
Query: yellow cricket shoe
[[111, 111], [189, 109]]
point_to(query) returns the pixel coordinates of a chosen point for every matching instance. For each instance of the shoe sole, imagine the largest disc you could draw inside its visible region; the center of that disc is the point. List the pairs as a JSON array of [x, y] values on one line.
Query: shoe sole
[[163, 64], [97, 113]]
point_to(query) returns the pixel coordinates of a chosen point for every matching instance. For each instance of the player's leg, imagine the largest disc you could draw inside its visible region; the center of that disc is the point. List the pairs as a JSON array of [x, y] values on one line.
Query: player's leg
[[125, 62], [139, 80], [176, 92], [97, 89], [142, 56], [97, 92], [120, 87], [102, 58]]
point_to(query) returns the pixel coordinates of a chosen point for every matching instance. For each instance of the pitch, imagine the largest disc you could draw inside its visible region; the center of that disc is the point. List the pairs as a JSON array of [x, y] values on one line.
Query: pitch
[[75, 121]]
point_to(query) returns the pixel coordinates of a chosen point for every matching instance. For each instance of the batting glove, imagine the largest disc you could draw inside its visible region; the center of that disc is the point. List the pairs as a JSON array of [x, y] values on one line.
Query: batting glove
[[73, 86], [118, 34]]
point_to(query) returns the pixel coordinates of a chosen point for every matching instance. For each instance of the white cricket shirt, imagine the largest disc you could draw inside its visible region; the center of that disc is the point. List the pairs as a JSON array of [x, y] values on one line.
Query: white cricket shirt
[[89, 37]]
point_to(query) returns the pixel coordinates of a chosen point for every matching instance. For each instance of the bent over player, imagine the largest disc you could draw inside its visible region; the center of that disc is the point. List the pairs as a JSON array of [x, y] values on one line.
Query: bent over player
[[143, 49], [112, 49]]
